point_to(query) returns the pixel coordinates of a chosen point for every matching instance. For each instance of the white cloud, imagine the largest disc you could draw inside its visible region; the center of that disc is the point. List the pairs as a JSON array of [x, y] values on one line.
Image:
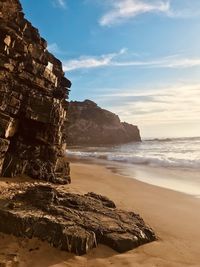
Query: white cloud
[[125, 9], [60, 3], [87, 62], [115, 60], [167, 104], [165, 62]]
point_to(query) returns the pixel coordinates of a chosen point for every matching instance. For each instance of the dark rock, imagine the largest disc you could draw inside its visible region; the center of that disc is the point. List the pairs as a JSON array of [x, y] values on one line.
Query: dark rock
[[106, 201], [33, 108], [71, 222], [4, 144], [91, 125]]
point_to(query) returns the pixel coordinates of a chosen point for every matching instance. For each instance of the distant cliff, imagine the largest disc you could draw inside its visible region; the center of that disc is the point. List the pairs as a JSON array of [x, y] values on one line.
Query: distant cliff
[[91, 125]]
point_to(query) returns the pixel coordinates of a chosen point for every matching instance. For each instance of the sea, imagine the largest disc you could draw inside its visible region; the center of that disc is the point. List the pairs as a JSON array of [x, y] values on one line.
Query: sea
[[172, 163]]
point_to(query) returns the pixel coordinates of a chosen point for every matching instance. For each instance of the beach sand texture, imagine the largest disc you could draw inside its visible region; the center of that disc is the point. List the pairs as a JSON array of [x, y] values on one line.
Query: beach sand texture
[[174, 216]]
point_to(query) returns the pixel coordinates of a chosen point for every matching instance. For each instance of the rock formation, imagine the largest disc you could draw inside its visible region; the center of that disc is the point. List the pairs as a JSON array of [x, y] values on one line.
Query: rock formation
[[71, 222], [33, 111], [33, 108], [91, 125]]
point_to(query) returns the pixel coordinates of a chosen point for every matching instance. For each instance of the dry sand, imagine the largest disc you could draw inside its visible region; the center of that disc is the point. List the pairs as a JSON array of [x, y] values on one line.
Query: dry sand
[[174, 216]]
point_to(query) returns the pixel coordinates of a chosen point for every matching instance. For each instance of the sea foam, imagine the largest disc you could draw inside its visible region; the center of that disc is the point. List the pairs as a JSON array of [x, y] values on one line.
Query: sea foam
[[174, 153]]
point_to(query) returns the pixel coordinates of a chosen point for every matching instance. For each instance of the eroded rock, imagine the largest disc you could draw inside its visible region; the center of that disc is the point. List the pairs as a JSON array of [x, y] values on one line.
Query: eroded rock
[[72, 222], [33, 107]]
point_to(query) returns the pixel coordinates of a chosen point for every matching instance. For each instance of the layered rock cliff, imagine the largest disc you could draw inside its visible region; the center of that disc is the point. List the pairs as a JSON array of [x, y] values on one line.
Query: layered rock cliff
[[33, 108], [91, 125]]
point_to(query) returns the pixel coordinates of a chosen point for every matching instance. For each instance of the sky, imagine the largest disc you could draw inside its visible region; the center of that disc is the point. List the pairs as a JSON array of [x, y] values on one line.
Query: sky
[[137, 58]]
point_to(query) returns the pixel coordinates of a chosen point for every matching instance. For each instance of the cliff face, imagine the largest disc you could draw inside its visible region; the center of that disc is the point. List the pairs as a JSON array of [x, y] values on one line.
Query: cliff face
[[32, 118], [90, 125], [33, 90]]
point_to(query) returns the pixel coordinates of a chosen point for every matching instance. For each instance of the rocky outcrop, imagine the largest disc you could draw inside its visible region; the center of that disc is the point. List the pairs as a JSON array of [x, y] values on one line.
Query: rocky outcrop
[[71, 222], [33, 108], [91, 125]]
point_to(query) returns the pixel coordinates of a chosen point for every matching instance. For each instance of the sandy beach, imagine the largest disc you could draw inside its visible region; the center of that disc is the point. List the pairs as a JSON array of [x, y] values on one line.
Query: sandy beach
[[174, 216]]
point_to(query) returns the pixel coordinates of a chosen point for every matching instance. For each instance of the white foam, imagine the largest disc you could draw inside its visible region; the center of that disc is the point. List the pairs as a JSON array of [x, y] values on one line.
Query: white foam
[[175, 153]]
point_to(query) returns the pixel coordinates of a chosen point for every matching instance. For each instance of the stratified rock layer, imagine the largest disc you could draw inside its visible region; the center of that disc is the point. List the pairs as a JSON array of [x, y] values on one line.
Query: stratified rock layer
[[33, 108], [91, 125], [71, 222]]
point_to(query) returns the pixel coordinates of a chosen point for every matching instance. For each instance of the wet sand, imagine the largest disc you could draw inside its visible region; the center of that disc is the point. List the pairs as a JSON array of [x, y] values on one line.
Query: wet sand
[[174, 216]]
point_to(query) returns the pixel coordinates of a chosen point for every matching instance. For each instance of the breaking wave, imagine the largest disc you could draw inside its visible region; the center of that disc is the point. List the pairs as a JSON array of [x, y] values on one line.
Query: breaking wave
[[174, 153]]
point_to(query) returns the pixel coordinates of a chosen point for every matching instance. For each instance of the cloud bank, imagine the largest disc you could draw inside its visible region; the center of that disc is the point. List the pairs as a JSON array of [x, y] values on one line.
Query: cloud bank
[[168, 104]]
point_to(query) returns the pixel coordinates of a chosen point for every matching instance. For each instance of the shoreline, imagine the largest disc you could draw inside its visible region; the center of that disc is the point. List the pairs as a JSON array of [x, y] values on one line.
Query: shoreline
[[173, 216], [174, 179]]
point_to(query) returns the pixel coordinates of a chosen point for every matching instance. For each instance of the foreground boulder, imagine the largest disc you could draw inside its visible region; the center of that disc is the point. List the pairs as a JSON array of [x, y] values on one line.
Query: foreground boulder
[[91, 125], [71, 222], [33, 108]]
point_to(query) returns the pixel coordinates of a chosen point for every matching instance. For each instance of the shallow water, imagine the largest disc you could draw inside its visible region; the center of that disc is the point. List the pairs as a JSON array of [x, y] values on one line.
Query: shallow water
[[169, 163]]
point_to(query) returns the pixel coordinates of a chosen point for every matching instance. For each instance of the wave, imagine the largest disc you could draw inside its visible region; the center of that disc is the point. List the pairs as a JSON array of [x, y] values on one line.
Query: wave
[[168, 152], [139, 160], [196, 138], [155, 162], [160, 139]]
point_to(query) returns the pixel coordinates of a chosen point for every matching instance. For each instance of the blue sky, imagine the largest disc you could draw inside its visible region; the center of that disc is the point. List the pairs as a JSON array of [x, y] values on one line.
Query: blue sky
[[137, 58]]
